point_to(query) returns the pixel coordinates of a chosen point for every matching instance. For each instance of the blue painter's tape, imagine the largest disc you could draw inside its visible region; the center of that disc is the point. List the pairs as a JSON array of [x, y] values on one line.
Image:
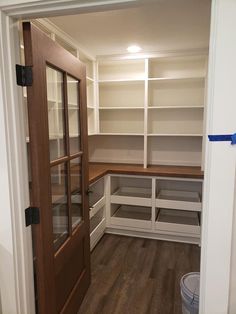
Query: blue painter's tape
[[233, 139], [220, 138], [223, 138]]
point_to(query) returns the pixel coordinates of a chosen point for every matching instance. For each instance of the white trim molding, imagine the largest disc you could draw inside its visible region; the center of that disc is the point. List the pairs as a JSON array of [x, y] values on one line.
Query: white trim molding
[[42, 8], [16, 267], [220, 161], [16, 284]]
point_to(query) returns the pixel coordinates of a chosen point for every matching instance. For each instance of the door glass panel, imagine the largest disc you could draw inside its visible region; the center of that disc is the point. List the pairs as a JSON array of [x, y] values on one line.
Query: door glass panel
[[59, 204], [73, 114], [56, 123], [76, 195]]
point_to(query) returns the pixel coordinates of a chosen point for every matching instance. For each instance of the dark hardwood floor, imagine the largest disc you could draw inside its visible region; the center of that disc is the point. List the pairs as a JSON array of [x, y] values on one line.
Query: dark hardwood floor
[[138, 276]]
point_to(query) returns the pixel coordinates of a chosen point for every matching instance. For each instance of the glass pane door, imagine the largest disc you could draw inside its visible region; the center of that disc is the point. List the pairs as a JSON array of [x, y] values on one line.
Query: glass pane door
[[76, 195], [65, 153], [56, 113], [73, 114]]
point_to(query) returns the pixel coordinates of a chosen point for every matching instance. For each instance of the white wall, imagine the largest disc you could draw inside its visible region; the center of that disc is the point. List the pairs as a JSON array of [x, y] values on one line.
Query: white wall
[[232, 303]]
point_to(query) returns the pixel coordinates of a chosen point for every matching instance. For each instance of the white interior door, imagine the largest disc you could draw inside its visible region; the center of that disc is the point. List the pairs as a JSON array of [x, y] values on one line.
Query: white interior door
[[220, 162]]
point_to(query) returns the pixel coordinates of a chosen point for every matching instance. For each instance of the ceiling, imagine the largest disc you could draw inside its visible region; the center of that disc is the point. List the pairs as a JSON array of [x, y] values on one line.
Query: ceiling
[[157, 26]]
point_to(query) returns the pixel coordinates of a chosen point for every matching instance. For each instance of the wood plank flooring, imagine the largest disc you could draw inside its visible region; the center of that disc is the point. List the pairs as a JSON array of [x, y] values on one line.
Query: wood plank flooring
[[138, 276]]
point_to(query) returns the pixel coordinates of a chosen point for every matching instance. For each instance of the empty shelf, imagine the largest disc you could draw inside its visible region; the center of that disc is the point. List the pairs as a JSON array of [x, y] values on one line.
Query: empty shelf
[[133, 212], [96, 219], [132, 196], [133, 191], [173, 199], [178, 221], [131, 216]]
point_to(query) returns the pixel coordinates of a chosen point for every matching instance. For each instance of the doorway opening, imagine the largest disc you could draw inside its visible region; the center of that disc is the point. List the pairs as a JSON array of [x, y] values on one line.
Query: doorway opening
[[146, 139]]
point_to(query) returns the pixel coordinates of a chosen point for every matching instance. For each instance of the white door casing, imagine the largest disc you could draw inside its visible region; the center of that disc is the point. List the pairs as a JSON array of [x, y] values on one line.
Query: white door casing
[[220, 162], [232, 299]]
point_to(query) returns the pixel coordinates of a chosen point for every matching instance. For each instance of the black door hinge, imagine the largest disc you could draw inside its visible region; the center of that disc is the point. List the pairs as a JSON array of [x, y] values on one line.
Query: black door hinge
[[32, 216], [24, 75]]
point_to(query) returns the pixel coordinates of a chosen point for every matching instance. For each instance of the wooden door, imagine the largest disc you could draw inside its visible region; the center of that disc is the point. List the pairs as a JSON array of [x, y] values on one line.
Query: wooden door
[[59, 171]]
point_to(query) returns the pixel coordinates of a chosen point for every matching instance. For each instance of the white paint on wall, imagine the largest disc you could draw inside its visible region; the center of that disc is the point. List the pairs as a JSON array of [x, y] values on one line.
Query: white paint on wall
[[232, 300]]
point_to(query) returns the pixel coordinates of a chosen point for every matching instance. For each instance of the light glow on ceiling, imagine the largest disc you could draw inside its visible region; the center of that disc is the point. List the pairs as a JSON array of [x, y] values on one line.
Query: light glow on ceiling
[[134, 49]]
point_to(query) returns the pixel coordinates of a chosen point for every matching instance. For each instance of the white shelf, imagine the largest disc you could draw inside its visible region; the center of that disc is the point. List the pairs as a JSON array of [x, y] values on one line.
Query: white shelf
[[89, 79], [160, 99], [121, 70], [133, 191], [177, 67], [132, 216], [122, 94], [118, 148], [176, 221], [177, 134], [176, 93], [175, 107], [74, 135], [186, 78], [96, 193], [96, 207], [122, 121], [73, 106], [175, 121], [132, 196], [121, 108], [122, 80], [96, 219], [122, 134], [133, 212], [183, 200], [183, 150], [97, 233]]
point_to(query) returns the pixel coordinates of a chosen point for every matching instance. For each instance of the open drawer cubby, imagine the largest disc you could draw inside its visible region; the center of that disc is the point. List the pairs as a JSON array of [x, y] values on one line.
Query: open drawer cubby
[[174, 194], [178, 221], [131, 191], [97, 219], [97, 226], [131, 216], [96, 195]]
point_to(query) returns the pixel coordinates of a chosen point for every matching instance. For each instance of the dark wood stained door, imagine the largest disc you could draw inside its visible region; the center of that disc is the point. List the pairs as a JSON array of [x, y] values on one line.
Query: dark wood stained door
[[59, 169]]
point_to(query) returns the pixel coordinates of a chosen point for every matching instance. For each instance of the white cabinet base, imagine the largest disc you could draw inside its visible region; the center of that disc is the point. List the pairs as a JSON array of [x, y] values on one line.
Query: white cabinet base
[[97, 234], [164, 236]]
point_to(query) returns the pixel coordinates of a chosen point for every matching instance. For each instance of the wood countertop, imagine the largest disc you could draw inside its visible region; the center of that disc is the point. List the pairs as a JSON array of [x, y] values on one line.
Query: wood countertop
[[98, 170]]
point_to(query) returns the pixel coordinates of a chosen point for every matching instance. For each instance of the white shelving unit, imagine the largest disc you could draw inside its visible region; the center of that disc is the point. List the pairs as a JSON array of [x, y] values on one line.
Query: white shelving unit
[[120, 148], [155, 207], [91, 92], [142, 111], [160, 99]]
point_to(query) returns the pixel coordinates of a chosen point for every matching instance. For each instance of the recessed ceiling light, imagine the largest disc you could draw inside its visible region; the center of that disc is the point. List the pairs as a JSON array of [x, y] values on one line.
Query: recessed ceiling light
[[134, 49]]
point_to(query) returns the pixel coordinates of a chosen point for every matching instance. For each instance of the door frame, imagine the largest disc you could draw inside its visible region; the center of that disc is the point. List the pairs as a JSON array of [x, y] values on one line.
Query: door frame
[[15, 239]]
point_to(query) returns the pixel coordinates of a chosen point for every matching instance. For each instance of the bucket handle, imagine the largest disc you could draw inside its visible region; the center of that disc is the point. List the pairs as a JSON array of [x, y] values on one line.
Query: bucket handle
[[193, 298]]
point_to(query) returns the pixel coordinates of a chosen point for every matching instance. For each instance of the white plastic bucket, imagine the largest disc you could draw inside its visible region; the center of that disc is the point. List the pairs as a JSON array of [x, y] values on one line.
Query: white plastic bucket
[[189, 285]]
